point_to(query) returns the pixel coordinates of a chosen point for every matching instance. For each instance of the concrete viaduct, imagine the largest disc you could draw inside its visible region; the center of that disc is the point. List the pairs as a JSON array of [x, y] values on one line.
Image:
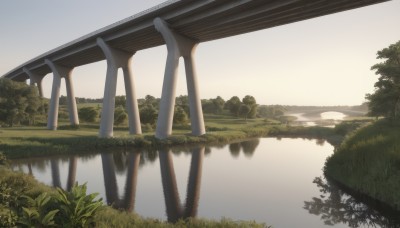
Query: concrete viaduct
[[179, 24]]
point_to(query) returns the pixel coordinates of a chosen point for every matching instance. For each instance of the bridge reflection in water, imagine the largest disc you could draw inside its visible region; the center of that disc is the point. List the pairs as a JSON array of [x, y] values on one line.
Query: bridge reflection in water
[[174, 209]]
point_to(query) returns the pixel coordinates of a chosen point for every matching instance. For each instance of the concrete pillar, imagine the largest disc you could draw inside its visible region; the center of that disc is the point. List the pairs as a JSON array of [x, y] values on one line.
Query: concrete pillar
[[35, 79], [61, 72], [116, 59], [178, 46]]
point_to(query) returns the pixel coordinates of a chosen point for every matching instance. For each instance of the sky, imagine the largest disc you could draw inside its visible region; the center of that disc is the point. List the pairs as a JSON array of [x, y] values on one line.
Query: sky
[[320, 61]]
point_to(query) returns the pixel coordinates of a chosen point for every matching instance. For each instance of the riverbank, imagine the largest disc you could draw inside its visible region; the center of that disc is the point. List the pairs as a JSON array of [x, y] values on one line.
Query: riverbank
[[368, 162], [20, 142]]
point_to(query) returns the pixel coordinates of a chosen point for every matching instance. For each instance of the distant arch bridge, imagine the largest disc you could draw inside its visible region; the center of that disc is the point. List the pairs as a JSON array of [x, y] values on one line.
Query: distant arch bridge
[[179, 24]]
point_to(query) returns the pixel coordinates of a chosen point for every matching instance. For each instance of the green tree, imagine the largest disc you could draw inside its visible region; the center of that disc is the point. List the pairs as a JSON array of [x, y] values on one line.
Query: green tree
[[233, 105], [183, 102], [120, 101], [244, 111], [148, 114], [385, 101], [250, 101], [120, 115], [18, 102], [180, 116], [218, 103], [88, 114]]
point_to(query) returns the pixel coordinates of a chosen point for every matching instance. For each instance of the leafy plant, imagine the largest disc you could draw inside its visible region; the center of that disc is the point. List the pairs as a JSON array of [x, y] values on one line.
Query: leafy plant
[[38, 214], [77, 209], [3, 159]]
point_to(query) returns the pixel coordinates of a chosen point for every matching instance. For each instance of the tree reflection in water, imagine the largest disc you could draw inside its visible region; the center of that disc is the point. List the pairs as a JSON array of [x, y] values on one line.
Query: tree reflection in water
[[334, 206], [248, 147]]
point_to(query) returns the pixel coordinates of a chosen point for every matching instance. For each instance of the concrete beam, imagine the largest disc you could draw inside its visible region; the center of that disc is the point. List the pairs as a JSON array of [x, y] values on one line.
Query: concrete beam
[[178, 46], [118, 59]]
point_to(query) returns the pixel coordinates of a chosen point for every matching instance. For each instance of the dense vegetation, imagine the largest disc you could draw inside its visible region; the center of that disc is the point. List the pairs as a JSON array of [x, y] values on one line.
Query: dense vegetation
[[368, 161]]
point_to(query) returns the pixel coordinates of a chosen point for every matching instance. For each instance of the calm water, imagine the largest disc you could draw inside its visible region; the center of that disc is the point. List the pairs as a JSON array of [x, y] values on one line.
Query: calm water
[[277, 181], [327, 119]]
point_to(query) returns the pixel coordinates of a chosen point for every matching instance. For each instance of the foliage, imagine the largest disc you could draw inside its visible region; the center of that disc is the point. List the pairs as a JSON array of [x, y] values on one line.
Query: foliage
[[148, 114], [38, 212], [76, 208], [120, 101], [18, 102], [180, 116], [368, 162], [182, 102], [233, 105], [3, 159], [385, 101], [215, 105], [244, 111], [271, 111], [120, 115], [88, 114]]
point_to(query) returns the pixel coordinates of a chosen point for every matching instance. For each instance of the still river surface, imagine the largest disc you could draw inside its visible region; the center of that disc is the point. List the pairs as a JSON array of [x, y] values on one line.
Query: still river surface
[[276, 181]]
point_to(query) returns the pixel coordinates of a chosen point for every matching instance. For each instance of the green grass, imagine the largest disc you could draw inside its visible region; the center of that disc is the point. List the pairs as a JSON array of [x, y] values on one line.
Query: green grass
[[38, 141], [368, 162]]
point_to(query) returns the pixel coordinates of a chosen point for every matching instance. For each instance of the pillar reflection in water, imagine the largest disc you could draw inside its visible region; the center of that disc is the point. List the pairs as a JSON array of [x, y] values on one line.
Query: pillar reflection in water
[[55, 172], [174, 209], [110, 181]]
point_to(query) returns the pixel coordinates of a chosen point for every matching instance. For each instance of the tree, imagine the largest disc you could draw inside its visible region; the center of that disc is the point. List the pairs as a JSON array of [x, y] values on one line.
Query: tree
[[233, 105], [385, 101], [18, 102], [148, 114], [180, 116], [218, 103], [183, 102], [244, 110], [250, 101], [120, 101], [120, 115], [88, 114]]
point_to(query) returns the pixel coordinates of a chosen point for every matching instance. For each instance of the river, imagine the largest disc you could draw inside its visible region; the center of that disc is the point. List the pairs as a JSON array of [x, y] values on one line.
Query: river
[[276, 181]]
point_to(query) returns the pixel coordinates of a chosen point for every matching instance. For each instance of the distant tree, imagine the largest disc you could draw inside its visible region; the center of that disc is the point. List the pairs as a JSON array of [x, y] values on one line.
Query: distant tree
[[244, 111], [62, 100], [233, 105], [250, 101], [18, 102], [183, 102], [180, 116], [120, 115], [88, 114], [148, 114], [218, 103], [385, 101], [120, 101]]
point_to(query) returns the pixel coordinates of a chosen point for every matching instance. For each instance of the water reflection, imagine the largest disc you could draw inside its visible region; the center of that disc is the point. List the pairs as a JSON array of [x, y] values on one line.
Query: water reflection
[[174, 209], [334, 206], [248, 148], [55, 172]]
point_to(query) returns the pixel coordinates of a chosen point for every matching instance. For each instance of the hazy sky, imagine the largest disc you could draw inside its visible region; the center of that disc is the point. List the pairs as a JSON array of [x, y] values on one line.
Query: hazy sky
[[322, 61]]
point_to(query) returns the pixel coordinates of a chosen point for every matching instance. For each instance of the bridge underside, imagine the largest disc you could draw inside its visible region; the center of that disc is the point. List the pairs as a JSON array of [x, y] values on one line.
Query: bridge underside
[[199, 20]]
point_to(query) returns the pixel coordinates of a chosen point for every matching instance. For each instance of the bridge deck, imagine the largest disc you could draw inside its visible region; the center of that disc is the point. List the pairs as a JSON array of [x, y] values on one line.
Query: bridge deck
[[200, 20]]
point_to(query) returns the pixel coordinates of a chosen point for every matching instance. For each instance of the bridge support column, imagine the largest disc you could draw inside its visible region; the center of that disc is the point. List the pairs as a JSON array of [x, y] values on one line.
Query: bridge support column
[[35, 79], [61, 72], [116, 59], [178, 46]]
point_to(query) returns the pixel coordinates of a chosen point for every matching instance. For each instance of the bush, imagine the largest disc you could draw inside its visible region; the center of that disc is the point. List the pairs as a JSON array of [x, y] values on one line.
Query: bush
[[88, 114]]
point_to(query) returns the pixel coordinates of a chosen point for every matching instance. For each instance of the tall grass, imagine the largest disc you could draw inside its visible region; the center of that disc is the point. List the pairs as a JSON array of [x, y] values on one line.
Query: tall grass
[[368, 161]]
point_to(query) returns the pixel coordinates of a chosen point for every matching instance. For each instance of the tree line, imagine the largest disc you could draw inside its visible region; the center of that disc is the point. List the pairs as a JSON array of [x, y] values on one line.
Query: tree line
[[21, 104]]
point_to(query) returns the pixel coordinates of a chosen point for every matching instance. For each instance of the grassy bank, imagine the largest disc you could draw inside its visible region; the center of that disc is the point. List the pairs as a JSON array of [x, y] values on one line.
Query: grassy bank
[[37, 141], [368, 162], [21, 142], [14, 185]]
